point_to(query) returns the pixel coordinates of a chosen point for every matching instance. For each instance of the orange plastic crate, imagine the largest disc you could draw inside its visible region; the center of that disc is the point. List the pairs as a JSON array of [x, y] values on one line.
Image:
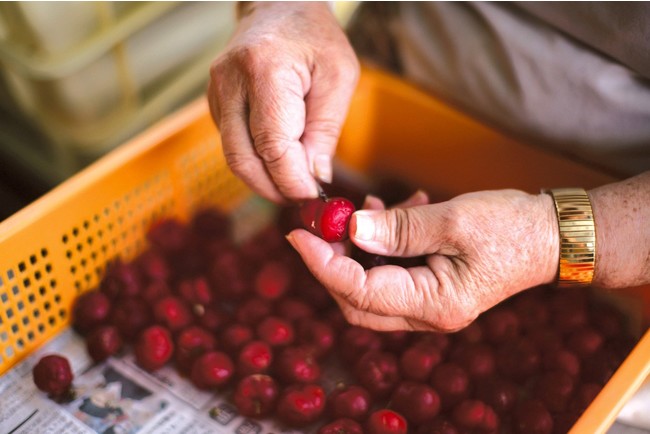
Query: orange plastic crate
[[58, 246]]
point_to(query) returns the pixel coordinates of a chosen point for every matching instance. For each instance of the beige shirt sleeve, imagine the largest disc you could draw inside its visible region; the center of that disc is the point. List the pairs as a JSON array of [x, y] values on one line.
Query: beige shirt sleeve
[[571, 76]]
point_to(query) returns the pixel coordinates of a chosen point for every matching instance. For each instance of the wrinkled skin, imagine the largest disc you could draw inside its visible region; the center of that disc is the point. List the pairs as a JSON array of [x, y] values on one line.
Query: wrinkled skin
[[279, 94], [480, 248]]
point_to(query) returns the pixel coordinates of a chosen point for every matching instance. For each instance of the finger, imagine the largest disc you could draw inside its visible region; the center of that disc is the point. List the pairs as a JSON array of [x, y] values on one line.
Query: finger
[[412, 231], [327, 105], [277, 122], [373, 202], [417, 298], [386, 290], [369, 320], [418, 198], [228, 109]]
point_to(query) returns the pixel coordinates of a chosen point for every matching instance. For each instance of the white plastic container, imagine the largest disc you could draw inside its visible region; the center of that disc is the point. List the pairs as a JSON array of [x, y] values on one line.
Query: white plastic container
[[91, 74]]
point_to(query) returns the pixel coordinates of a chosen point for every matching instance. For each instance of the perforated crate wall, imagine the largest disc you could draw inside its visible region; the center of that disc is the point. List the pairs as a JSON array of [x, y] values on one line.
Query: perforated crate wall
[[58, 247]]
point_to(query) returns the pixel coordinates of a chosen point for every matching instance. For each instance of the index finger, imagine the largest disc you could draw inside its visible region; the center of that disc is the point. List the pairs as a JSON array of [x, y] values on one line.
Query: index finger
[[388, 290], [277, 122]]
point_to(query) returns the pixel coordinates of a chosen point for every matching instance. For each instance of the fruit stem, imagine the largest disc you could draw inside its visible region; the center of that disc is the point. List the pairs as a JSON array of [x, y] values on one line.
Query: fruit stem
[[321, 193]]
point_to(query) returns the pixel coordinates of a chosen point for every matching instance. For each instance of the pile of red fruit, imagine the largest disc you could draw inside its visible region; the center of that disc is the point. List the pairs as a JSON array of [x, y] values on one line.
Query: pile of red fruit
[[250, 321]]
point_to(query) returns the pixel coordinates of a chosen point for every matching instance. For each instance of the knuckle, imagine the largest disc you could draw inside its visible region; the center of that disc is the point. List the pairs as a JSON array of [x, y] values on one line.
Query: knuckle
[[271, 147], [328, 128], [353, 318], [241, 166], [400, 228], [455, 221], [351, 69]]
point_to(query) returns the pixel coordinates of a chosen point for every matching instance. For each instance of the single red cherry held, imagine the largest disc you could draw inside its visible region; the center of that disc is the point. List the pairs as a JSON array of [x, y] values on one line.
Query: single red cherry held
[[327, 218]]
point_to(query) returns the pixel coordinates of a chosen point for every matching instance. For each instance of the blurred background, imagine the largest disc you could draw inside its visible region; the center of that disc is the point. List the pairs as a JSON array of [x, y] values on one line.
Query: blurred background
[[79, 78]]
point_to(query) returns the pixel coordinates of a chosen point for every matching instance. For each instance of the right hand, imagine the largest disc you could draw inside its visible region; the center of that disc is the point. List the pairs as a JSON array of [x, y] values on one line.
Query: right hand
[[279, 95]]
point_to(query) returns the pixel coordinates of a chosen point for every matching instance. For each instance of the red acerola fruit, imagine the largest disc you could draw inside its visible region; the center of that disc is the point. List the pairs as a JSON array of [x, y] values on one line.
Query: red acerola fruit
[[378, 372], [316, 334], [475, 414], [607, 320], [352, 402], [386, 421], [296, 365], [131, 316], [214, 319], [500, 324], [417, 362], [229, 275], [153, 266], [254, 358], [498, 393], [439, 425], [341, 426], [211, 223], [272, 280], [585, 341], [173, 313], [234, 336], [328, 218], [256, 396], [547, 340], [356, 341], [154, 291], [120, 280], [439, 340], [196, 291], [212, 370], [585, 393], [532, 417], [154, 348], [417, 402], [301, 405], [554, 389], [293, 309], [53, 375], [90, 310], [568, 311], [168, 235], [451, 382], [103, 342], [396, 341], [531, 308], [275, 331], [478, 359], [518, 359], [473, 333], [563, 360], [253, 310], [191, 343]]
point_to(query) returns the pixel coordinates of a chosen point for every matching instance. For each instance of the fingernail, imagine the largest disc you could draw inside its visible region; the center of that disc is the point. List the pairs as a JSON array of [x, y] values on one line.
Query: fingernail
[[365, 226], [323, 168]]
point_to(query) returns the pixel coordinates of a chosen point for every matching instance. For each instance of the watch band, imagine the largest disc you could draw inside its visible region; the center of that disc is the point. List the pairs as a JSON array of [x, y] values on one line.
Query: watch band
[[577, 237]]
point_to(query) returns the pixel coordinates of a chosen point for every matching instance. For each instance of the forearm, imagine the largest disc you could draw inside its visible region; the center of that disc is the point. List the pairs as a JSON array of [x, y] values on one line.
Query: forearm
[[622, 217]]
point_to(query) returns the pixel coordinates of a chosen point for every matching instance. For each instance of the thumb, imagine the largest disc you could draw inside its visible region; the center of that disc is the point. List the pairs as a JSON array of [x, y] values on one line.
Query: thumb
[[407, 232]]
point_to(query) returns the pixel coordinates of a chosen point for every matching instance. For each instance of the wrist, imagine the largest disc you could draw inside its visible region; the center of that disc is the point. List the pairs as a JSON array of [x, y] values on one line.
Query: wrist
[[550, 236], [622, 213]]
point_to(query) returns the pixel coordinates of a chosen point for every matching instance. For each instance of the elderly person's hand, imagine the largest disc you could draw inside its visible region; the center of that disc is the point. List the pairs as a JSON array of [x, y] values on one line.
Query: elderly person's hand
[[480, 249], [279, 94]]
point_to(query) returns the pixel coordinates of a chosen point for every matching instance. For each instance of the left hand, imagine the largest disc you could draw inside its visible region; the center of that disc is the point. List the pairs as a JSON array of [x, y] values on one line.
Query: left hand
[[480, 249]]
